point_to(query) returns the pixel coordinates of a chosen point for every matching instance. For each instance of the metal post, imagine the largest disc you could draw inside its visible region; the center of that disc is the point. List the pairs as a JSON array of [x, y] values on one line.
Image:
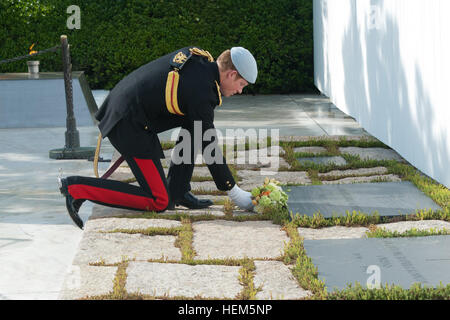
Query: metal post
[[72, 134], [72, 149]]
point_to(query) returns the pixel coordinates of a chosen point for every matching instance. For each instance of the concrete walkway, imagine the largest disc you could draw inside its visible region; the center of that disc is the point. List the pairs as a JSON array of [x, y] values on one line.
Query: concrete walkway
[[44, 256]]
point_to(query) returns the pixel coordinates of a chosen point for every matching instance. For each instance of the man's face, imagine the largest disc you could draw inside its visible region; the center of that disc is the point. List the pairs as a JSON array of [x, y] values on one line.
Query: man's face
[[231, 83]]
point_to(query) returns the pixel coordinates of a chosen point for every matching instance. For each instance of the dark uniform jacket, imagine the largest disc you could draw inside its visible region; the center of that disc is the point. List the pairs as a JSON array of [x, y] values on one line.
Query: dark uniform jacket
[[172, 91]]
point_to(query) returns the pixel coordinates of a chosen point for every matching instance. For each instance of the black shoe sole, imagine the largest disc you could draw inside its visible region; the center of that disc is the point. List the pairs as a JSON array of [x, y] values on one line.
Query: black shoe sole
[[198, 206], [71, 208]]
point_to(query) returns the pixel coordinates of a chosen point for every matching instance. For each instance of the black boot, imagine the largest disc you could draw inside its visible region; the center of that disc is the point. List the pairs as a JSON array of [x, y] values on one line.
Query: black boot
[[72, 205], [190, 201]]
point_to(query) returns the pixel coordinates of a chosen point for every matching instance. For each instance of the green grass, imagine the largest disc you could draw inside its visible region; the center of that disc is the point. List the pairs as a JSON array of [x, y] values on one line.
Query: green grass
[[383, 233], [392, 292]]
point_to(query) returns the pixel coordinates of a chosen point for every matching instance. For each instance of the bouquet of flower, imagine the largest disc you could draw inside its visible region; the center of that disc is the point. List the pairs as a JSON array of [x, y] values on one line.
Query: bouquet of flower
[[269, 196]]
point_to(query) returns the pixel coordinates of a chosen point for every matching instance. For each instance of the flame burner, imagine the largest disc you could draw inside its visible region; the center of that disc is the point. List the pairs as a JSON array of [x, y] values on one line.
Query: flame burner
[[33, 66]]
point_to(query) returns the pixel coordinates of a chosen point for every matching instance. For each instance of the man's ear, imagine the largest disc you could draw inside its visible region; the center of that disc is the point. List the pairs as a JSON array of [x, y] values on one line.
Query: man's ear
[[232, 74]]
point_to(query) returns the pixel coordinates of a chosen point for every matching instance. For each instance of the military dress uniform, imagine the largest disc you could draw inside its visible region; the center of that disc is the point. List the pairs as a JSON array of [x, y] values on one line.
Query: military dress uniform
[[173, 91]]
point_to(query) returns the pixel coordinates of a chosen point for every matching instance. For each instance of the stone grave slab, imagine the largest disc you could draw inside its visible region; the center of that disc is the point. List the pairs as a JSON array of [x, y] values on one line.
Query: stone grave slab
[[388, 198], [399, 261], [167, 279], [337, 160]]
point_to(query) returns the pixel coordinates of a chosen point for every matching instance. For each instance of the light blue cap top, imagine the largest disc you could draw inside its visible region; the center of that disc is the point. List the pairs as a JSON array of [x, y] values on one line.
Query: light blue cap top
[[245, 63]]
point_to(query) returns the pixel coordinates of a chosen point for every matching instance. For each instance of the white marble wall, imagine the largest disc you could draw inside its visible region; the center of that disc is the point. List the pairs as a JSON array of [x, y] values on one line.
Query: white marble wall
[[386, 63]]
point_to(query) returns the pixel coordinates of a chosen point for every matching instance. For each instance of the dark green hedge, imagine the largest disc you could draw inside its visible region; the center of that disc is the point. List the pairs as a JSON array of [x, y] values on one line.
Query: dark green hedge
[[118, 36]]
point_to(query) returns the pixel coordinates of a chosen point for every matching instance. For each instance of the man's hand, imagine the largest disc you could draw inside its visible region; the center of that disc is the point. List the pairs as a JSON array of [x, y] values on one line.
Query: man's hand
[[241, 198]]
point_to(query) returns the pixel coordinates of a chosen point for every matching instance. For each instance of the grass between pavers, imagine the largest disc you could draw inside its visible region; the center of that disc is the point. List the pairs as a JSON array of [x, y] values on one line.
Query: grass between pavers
[[383, 233]]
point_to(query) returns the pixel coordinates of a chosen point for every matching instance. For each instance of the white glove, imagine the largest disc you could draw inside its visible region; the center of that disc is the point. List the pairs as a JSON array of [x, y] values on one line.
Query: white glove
[[241, 198]]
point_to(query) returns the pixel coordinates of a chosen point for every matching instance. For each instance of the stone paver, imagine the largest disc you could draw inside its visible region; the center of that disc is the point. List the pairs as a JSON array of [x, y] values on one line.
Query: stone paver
[[328, 137], [337, 160], [313, 150], [372, 153], [204, 186], [252, 179], [358, 172], [112, 248], [229, 239], [419, 225], [277, 282], [215, 210], [254, 154], [336, 232], [166, 279], [110, 224], [84, 281], [374, 178]]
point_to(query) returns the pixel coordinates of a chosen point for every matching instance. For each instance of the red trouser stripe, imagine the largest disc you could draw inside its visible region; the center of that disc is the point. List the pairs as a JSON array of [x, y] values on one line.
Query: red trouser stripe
[[81, 191], [123, 199], [154, 181]]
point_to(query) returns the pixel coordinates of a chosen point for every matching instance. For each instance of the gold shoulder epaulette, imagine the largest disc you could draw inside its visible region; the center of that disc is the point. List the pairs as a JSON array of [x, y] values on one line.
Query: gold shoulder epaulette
[[204, 53], [218, 92]]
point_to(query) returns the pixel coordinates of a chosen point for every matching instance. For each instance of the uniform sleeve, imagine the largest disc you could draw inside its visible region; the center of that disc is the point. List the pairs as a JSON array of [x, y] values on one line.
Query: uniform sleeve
[[201, 113]]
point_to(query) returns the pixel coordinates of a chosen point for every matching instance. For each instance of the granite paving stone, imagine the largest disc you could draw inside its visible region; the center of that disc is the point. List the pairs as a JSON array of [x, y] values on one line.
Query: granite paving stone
[[336, 160], [172, 280], [277, 282], [372, 153], [252, 178], [254, 154], [112, 248], [404, 226], [229, 239], [373, 178], [335, 232], [355, 172], [83, 281], [215, 210], [110, 224], [313, 150]]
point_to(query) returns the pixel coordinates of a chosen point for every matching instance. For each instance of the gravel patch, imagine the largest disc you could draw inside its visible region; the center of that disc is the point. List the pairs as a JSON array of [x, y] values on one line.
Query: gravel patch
[[83, 281], [229, 239], [112, 248], [336, 232], [172, 280], [277, 282]]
